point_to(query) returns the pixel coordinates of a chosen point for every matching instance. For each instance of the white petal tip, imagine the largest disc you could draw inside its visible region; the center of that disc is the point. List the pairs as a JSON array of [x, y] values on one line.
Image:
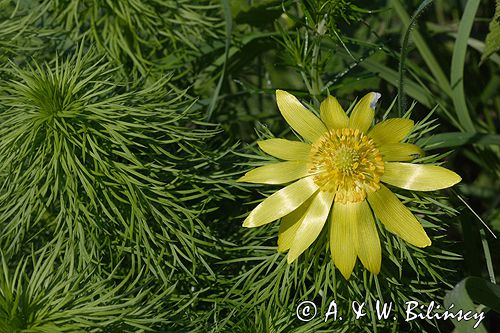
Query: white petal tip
[[374, 101]]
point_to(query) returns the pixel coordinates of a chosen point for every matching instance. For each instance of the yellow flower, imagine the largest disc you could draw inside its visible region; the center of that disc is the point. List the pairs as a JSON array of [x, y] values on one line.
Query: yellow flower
[[337, 174]]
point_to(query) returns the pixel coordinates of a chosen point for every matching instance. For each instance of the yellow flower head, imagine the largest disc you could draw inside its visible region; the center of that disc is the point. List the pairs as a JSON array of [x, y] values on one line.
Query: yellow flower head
[[337, 175]]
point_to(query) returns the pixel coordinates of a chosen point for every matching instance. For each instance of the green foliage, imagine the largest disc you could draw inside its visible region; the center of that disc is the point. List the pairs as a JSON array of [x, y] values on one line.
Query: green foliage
[[17, 35], [469, 291], [493, 37], [57, 298], [99, 164], [140, 34], [408, 273], [404, 51], [119, 207]]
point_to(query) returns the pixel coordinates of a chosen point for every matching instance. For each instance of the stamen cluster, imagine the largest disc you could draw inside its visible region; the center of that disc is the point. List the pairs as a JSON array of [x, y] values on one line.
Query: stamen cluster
[[346, 161]]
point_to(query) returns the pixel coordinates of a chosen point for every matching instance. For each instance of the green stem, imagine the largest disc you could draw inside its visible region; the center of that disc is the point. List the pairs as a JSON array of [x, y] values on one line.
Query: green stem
[[315, 79], [424, 50], [484, 241], [404, 53], [487, 256]]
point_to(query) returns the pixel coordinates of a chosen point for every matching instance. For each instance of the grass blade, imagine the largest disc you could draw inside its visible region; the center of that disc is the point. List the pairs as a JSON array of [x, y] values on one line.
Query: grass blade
[[463, 296], [424, 50], [456, 139], [229, 28], [458, 63]]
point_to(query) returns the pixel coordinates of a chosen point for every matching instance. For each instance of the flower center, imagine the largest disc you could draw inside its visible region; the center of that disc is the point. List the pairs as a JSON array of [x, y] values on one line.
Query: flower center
[[346, 161]]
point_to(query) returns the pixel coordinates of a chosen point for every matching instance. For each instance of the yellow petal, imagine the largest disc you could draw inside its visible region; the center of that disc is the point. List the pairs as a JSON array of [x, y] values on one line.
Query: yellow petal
[[289, 226], [397, 218], [391, 130], [364, 111], [276, 173], [332, 114], [303, 121], [312, 223], [285, 149], [343, 235], [403, 152], [419, 177], [281, 203], [369, 251]]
